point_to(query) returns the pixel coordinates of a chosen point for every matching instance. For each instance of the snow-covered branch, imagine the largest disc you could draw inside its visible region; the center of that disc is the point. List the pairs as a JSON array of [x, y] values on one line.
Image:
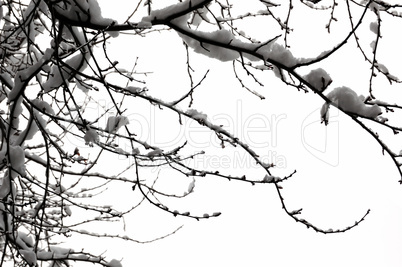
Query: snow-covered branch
[[73, 118]]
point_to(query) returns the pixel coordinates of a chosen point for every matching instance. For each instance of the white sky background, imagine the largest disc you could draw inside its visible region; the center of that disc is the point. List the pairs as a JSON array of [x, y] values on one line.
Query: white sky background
[[340, 170]]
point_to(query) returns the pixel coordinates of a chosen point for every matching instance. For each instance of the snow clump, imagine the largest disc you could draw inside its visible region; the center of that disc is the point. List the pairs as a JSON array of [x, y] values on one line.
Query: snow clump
[[91, 137], [374, 27], [14, 156], [114, 263], [32, 128], [29, 256], [278, 53], [197, 115], [168, 12], [191, 186], [347, 100], [114, 123], [85, 11], [57, 78], [319, 79], [155, 152], [43, 106], [213, 51]]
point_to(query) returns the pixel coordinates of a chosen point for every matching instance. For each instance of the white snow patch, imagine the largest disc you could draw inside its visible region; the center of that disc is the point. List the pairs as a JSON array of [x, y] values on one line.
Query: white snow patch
[[7, 78], [86, 11], [213, 51], [347, 99], [57, 78], [155, 152], [166, 12], [114, 123], [319, 79], [29, 256], [270, 179], [114, 263], [120, 151], [145, 23], [374, 27], [197, 115], [191, 186], [134, 89], [60, 252], [16, 156], [26, 238], [382, 68], [22, 77], [44, 255], [91, 137], [32, 127], [67, 210], [325, 113], [43, 106], [7, 187], [278, 53]]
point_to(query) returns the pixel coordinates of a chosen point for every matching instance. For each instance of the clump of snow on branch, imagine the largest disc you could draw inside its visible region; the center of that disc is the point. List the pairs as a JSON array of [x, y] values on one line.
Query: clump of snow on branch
[[43, 106], [114, 263], [270, 179], [155, 152], [135, 89], [26, 238], [7, 188], [114, 123], [217, 52], [374, 27], [347, 99], [67, 210], [199, 16], [84, 11], [197, 115], [214, 42], [15, 157], [277, 52], [91, 137], [82, 85], [167, 12], [220, 44], [58, 78], [191, 186], [59, 74], [29, 256], [24, 75], [40, 107], [145, 23], [325, 113], [59, 252], [382, 68], [319, 79]]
